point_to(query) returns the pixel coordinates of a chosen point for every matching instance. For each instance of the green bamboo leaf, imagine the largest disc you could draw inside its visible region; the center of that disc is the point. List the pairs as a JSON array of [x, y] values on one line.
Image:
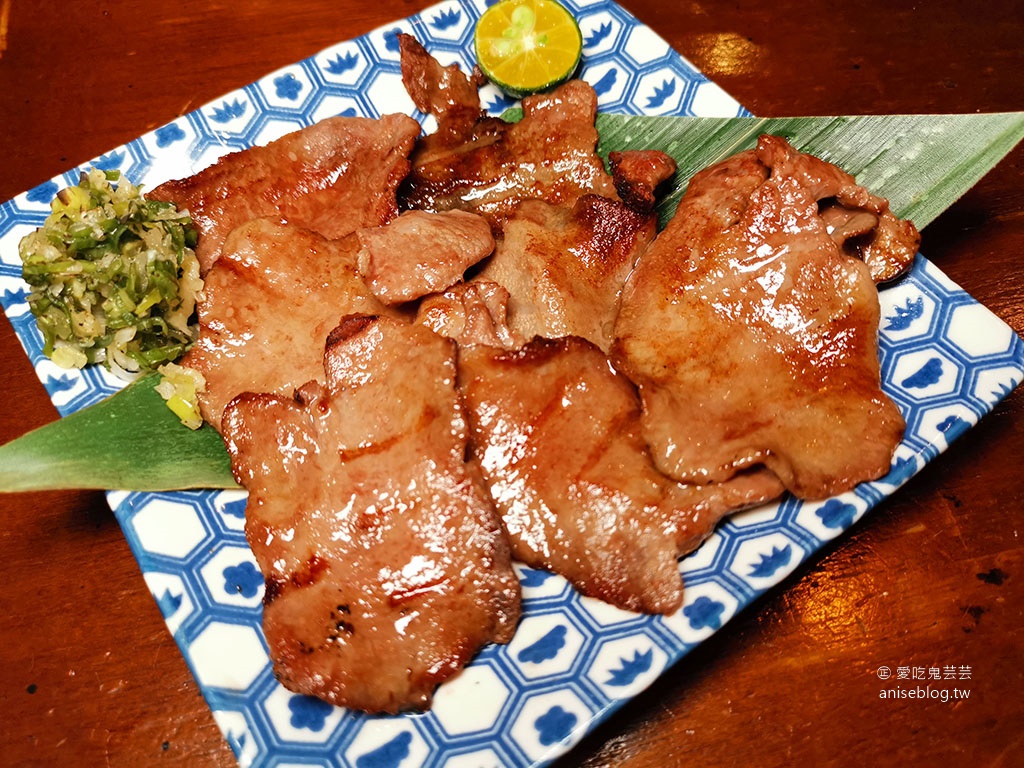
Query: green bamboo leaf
[[129, 441], [921, 163]]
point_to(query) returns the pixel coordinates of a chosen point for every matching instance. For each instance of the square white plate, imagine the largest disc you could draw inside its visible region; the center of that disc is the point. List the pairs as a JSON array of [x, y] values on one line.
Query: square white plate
[[946, 361]]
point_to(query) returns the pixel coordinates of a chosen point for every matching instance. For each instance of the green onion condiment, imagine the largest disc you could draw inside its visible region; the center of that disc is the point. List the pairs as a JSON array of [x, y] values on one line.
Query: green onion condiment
[[114, 278]]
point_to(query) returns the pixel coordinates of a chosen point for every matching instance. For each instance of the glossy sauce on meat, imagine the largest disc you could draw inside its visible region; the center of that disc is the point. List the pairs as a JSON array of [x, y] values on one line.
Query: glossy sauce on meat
[[332, 177], [385, 565], [557, 433], [564, 267], [255, 335], [482, 164], [752, 336]]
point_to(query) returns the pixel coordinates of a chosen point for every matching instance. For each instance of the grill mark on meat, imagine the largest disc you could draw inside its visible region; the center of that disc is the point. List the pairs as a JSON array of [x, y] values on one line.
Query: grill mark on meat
[[306, 574], [427, 416], [311, 572], [418, 576], [349, 326], [556, 432], [343, 628], [273, 587]]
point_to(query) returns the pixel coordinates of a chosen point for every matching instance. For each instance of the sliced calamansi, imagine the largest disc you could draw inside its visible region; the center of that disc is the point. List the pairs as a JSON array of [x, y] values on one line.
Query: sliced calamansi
[[527, 46]]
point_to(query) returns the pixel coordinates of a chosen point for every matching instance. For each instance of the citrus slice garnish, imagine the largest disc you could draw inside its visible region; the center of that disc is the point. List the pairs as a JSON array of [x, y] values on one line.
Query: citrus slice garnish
[[527, 46]]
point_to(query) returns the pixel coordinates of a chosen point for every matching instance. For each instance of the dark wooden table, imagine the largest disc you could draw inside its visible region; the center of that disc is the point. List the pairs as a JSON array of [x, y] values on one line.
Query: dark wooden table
[[89, 676]]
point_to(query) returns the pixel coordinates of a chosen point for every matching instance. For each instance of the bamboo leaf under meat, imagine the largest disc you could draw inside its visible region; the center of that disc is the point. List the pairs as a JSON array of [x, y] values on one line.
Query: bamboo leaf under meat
[[129, 441], [921, 163]]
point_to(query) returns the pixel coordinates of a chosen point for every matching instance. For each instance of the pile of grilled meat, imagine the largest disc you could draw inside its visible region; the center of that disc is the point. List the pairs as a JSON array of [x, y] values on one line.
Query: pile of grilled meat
[[431, 356]]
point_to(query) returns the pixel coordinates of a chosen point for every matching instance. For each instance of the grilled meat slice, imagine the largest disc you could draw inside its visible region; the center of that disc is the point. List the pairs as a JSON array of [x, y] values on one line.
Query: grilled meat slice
[[420, 253], [385, 565], [557, 433], [268, 305], [638, 173], [564, 267], [752, 334], [446, 92], [332, 177], [489, 166]]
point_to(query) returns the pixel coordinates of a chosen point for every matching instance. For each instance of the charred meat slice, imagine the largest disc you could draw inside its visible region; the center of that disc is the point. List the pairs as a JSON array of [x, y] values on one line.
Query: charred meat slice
[[557, 433], [638, 173], [333, 177], [445, 92], [383, 557], [267, 307], [489, 166], [420, 253], [752, 334], [564, 267]]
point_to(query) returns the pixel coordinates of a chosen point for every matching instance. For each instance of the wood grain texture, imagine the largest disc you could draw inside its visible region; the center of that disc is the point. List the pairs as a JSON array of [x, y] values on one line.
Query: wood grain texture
[[89, 675]]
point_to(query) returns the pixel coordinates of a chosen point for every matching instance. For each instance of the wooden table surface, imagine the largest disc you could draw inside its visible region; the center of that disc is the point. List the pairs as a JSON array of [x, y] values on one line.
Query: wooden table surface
[[89, 676]]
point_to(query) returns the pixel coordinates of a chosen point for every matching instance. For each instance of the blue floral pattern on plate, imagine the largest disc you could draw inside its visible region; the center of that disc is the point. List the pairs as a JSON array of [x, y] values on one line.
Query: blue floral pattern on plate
[[946, 361]]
